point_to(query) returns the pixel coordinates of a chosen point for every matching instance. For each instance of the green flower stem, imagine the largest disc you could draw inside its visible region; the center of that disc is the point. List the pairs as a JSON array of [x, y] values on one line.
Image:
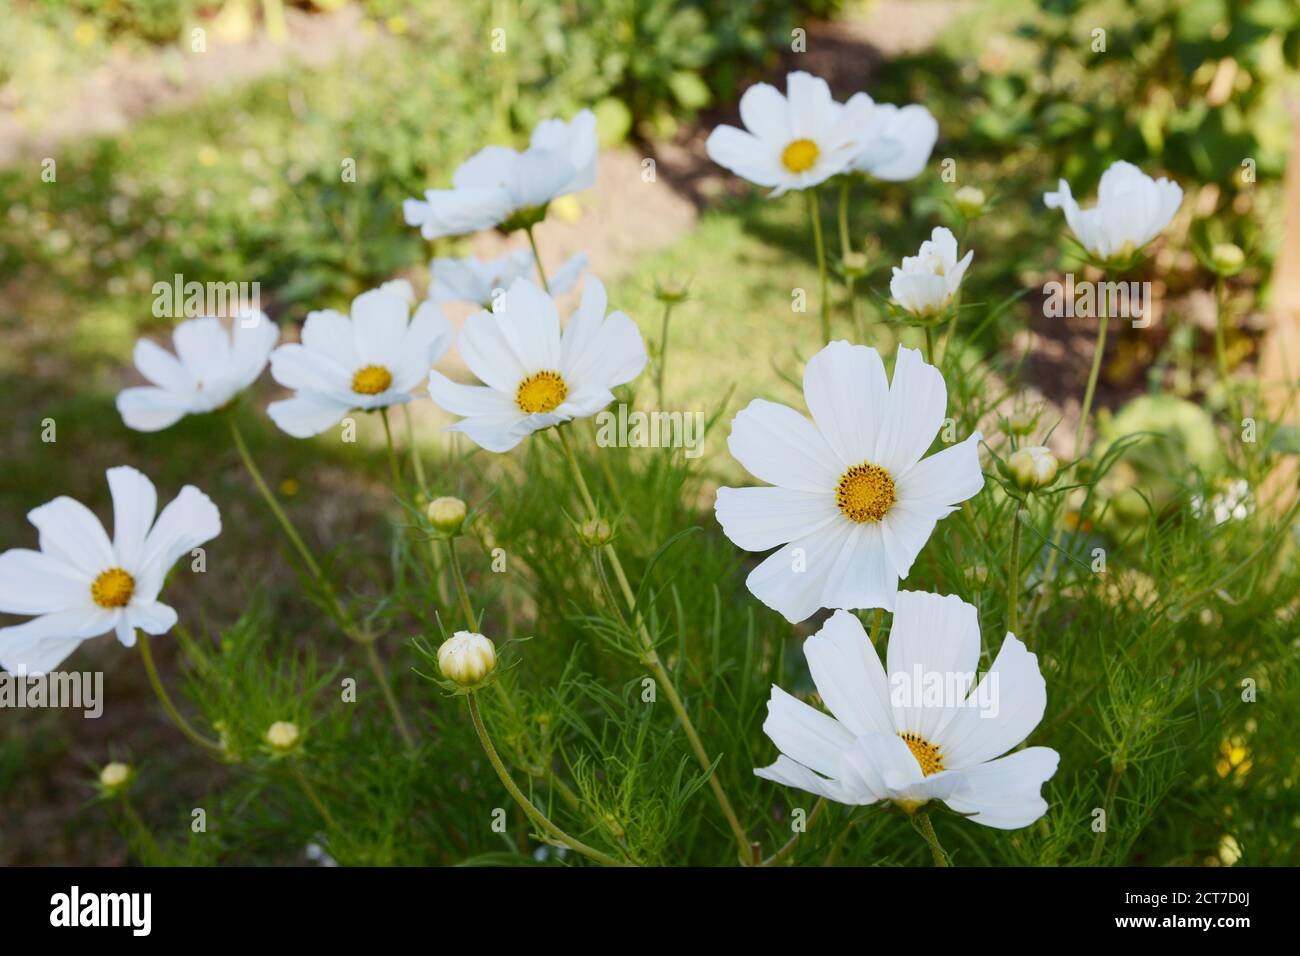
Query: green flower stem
[[146, 836], [539, 819], [1221, 347], [846, 246], [814, 213], [458, 575], [929, 345], [876, 624], [394, 468], [651, 659], [146, 653], [537, 258], [314, 797], [1013, 574], [663, 354], [333, 606], [789, 846], [921, 823], [416, 462]]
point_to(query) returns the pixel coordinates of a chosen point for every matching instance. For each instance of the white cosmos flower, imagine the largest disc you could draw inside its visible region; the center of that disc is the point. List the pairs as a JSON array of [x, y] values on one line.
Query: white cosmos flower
[[211, 366], [1132, 209], [497, 182], [371, 360], [928, 280], [895, 142], [80, 584], [534, 375], [476, 280], [793, 141], [853, 502], [889, 740]]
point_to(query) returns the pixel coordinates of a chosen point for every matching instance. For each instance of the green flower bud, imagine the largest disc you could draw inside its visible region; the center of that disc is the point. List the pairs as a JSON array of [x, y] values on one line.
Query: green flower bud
[[1032, 468], [115, 778], [447, 514], [970, 201], [283, 737], [466, 658]]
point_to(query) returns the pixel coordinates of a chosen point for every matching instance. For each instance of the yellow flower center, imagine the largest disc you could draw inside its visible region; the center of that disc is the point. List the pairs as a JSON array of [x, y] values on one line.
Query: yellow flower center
[[542, 392], [865, 493], [800, 155], [113, 588], [926, 753], [372, 380]]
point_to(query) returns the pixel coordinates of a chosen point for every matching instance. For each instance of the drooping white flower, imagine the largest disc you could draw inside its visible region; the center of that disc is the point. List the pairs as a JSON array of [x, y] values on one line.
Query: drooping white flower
[[80, 584], [476, 280], [369, 360], [853, 500], [793, 141], [894, 142], [535, 376], [893, 737], [211, 366], [1132, 209], [927, 281], [498, 184]]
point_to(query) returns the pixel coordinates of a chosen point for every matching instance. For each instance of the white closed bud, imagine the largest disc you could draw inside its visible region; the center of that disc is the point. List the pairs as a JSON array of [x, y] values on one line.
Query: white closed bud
[[282, 736], [1227, 258], [1032, 468], [1022, 423], [970, 201], [114, 777], [466, 658], [595, 533], [446, 514]]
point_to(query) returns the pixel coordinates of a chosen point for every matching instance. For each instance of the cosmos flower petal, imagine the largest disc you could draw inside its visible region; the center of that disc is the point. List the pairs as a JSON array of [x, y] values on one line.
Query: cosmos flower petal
[[203, 346], [805, 734], [1018, 690], [70, 532], [40, 645], [32, 582], [763, 111], [189, 520], [779, 446], [791, 774], [918, 400], [849, 676], [746, 156], [944, 478], [152, 618], [847, 392], [1006, 794], [147, 409], [306, 414], [470, 400], [379, 323], [792, 580], [862, 575], [161, 367], [135, 502], [758, 519], [496, 433], [935, 635], [327, 334]]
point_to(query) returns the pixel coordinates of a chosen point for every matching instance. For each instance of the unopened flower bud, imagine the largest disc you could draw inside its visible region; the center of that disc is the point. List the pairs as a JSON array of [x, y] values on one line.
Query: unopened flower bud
[[977, 574], [670, 291], [1227, 258], [970, 201], [1022, 423], [1032, 468], [115, 778], [595, 533], [467, 658], [854, 264], [446, 514], [282, 736]]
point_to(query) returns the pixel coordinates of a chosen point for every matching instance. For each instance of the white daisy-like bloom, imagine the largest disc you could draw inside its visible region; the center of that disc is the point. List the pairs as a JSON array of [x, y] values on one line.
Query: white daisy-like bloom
[[895, 142], [477, 281], [80, 584], [498, 184], [918, 728], [1132, 209], [367, 361], [853, 501], [211, 366], [792, 141], [535, 376], [928, 281]]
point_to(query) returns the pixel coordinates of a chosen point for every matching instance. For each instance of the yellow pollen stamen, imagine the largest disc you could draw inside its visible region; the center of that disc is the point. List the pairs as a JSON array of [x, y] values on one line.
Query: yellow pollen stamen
[[541, 392], [113, 588], [800, 156], [926, 753], [372, 380], [865, 493]]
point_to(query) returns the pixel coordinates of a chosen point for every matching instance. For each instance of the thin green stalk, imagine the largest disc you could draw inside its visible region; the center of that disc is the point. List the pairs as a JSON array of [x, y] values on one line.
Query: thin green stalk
[[790, 844], [846, 246], [663, 354], [1221, 348], [314, 797], [651, 658], [458, 575], [537, 258], [1013, 575], [929, 345], [416, 462], [921, 823], [165, 699], [815, 214], [876, 624], [534, 814], [1108, 806], [381, 676], [394, 468]]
